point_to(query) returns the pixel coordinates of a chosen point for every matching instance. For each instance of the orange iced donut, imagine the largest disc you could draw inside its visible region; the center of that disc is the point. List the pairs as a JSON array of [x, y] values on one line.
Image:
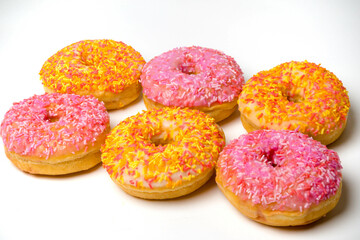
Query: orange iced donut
[[163, 153], [296, 95], [280, 177], [106, 69], [55, 134]]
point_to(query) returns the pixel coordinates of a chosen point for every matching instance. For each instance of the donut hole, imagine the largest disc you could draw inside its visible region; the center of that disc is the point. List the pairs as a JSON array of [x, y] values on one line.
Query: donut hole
[[188, 70], [270, 158], [157, 141], [295, 98], [188, 67], [294, 94], [53, 119], [52, 116], [85, 59], [161, 139]]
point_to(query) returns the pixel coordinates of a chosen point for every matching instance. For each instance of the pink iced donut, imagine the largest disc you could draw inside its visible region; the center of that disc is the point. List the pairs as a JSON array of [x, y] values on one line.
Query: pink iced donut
[[280, 177], [55, 133], [193, 77]]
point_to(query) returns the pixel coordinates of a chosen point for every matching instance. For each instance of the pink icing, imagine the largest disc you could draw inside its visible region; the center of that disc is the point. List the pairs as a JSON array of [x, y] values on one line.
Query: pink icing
[[53, 124], [192, 76], [281, 170]]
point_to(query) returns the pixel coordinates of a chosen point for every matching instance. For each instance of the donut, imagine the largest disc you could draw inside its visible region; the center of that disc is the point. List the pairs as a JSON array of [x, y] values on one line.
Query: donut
[[280, 177], [296, 95], [163, 153], [54, 134], [106, 69], [193, 77]]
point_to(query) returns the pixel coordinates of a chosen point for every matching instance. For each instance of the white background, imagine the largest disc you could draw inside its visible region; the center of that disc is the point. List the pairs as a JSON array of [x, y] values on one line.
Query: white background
[[258, 34]]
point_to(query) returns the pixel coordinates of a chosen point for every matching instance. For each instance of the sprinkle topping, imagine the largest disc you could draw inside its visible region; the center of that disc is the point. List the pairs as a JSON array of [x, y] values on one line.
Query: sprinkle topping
[[92, 65], [192, 76], [53, 124], [162, 147], [295, 95], [280, 170]]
